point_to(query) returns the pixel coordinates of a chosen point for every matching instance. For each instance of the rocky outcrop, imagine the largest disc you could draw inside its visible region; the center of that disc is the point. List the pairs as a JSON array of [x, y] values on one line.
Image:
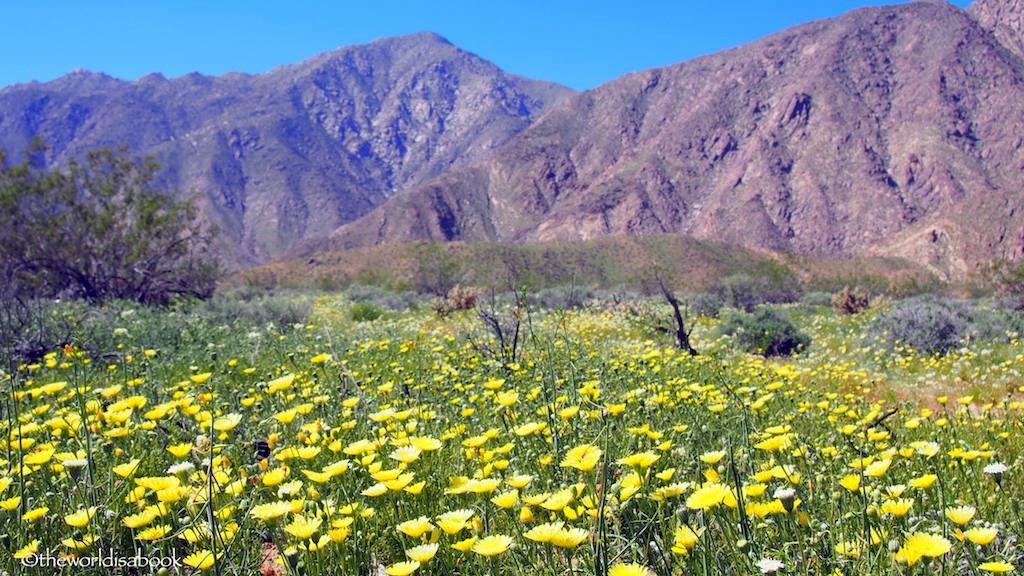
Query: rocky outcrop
[[1004, 19]]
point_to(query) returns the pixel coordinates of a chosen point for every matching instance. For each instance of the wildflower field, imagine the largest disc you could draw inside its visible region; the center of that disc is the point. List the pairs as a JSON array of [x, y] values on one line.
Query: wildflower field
[[416, 444]]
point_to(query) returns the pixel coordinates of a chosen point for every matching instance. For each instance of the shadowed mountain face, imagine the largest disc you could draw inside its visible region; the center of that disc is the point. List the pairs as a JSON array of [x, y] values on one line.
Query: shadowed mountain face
[[291, 154], [889, 130]]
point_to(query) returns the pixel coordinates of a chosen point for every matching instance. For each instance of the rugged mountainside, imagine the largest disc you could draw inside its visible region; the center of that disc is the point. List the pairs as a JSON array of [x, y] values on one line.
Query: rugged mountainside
[[293, 153], [891, 130], [1004, 18]]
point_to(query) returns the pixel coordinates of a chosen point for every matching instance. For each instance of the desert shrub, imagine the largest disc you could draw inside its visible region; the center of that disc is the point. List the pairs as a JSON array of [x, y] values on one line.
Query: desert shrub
[[463, 297], [458, 298], [257, 307], [327, 283], [936, 325], [995, 320], [739, 291], [767, 283], [500, 334], [439, 269], [383, 298], [564, 297], [764, 331], [925, 324], [705, 304], [30, 328], [848, 301], [816, 299], [99, 230], [1008, 279], [365, 312], [40, 326]]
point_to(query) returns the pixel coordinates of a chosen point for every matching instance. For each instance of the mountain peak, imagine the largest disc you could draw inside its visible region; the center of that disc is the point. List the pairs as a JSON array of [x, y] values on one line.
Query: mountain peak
[[889, 130], [1004, 18], [295, 152], [418, 37], [84, 79]]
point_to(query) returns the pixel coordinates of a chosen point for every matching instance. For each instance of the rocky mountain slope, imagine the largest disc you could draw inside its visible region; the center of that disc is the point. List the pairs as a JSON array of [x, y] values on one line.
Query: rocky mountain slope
[[892, 131], [293, 153]]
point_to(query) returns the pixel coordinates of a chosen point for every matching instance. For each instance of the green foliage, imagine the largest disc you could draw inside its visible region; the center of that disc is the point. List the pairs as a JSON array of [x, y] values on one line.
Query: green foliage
[[437, 269], [566, 296], [765, 331], [327, 283], [365, 312], [98, 230], [705, 304], [178, 326], [383, 298], [817, 299], [764, 283], [1009, 280], [29, 328], [277, 309]]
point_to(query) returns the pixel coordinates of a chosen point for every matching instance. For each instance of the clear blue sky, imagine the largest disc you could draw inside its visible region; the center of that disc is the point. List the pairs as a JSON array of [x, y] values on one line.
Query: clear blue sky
[[577, 43]]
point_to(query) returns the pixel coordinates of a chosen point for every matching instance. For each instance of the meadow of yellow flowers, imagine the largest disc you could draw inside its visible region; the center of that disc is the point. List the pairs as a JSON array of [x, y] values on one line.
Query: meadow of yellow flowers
[[411, 445]]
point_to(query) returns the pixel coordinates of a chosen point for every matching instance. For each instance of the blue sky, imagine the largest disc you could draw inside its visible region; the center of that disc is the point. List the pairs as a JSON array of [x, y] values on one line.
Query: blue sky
[[579, 44]]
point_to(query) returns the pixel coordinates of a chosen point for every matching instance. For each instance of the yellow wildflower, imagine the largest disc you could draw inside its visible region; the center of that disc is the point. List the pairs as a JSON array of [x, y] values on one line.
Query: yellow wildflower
[[422, 553], [981, 536], [492, 545], [415, 528], [201, 559], [707, 497], [583, 457], [569, 538], [544, 532], [960, 514], [628, 570]]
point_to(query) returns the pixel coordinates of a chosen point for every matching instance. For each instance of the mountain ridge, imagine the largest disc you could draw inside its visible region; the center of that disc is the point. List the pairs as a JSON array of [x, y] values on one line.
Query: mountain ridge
[[294, 152], [874, 132]]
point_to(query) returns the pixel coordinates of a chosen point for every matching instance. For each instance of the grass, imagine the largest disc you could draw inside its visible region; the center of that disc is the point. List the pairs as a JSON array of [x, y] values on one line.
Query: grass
[[411, 442], [610, 262]]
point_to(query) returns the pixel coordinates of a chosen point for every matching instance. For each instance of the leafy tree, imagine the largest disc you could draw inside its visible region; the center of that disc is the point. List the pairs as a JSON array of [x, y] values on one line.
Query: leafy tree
[[438, 269], [99, 230]]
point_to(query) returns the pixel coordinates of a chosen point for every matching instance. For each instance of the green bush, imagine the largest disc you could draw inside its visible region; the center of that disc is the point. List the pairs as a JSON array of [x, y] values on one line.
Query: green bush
[[766, 283], [705, 304], [765, 331], [365, 312], [99, 230], [189, 327], [565, 297], [257, 307], [383, 298], [816, 299]]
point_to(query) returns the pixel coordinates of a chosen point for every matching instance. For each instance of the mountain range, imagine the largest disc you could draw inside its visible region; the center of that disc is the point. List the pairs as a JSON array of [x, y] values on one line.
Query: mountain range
[[290, 155], [887, 131]]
